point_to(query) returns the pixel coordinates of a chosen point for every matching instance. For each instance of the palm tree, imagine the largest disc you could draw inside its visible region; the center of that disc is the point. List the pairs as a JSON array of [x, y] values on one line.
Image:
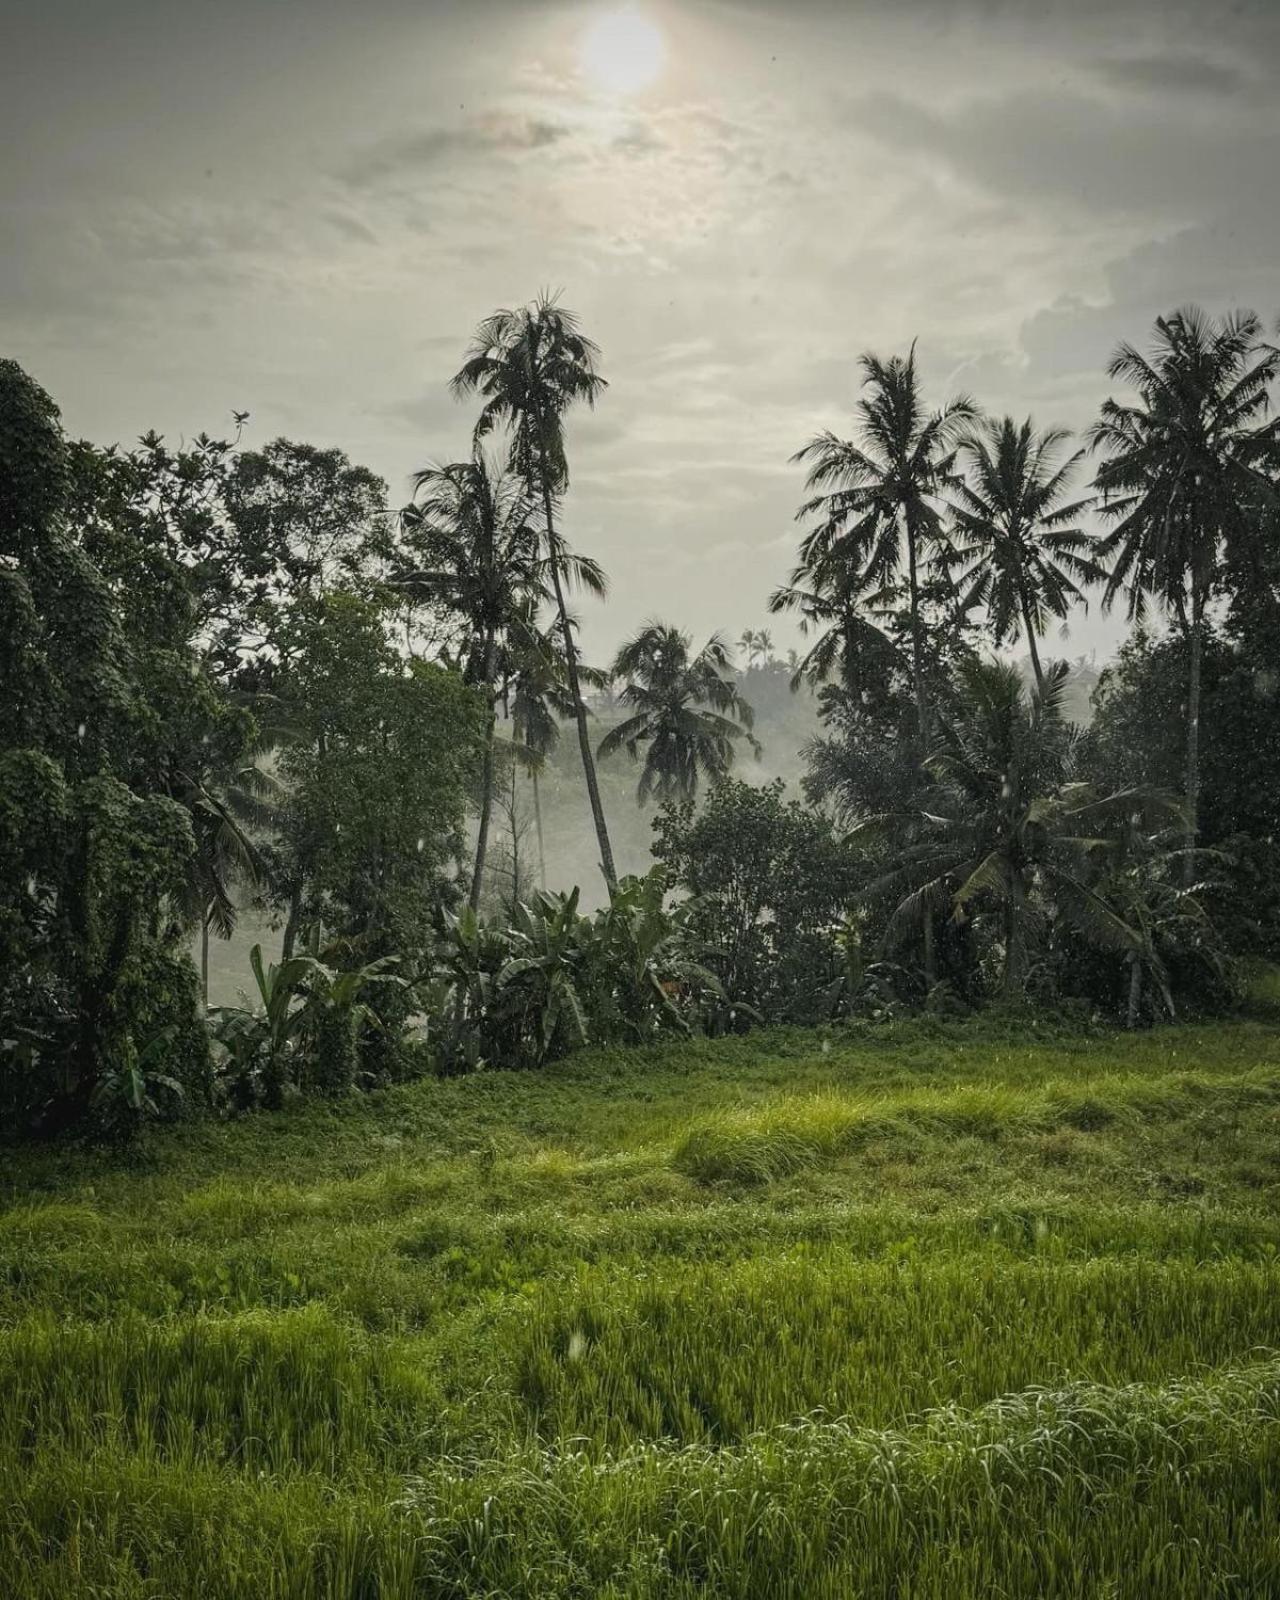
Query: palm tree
[[684, 708], [1020, 554], [468, 530], [227, 809], [1004, 827], [1187, 471], [530, 366], [540, 697], [877, 503]]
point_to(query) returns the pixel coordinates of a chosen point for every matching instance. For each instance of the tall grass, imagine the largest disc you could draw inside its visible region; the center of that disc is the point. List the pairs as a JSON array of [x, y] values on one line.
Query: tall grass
[[934, 1314]]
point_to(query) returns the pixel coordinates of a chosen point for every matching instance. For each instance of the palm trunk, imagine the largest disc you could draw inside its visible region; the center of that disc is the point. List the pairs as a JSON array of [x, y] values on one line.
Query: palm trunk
[[922, 724], [537, 819], [1196, 644], [1135, 992], [1012, 978], [1031, 641], [575, 688], [291, 924], [204, 957], [486, 780], [917, 647]]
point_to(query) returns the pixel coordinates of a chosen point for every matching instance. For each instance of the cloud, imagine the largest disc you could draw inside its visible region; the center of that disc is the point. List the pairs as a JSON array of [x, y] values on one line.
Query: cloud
[[1174, 74], [413, 152]]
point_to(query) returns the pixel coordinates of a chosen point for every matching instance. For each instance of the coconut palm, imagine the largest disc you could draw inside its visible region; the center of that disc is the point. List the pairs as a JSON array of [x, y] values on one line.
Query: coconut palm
[[1015, 548], [229, 811], [1004, 828], [476, 555], [684, 708], [529, 366], [539, 699], [1187, 471], [877, 501]]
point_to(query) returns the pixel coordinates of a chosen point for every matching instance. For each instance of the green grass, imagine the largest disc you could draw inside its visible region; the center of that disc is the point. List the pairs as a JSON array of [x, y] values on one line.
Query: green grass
[[934, 1310]]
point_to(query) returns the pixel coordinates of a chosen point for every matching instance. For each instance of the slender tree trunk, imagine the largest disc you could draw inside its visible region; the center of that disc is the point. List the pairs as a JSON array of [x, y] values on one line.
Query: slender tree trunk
[[1012, 979], [922, 723], [1031, 641], [486, 780], [917, 646], [291, 923], [575, 687], [537, 819], [1196, 644], [204, 957], [1135, 992]]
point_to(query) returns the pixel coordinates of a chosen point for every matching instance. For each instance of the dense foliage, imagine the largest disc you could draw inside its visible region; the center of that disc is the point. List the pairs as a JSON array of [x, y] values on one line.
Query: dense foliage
[[239, 679]]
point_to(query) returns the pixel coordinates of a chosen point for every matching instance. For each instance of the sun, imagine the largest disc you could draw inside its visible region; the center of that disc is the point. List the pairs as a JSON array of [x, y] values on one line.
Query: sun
[[622, 51]]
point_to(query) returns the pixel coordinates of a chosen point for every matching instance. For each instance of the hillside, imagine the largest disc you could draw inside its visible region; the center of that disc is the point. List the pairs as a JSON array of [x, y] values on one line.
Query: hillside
[[935, 1310]]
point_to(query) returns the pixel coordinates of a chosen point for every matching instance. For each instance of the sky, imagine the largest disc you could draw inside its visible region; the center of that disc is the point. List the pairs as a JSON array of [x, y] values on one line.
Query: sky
[[302, 208]]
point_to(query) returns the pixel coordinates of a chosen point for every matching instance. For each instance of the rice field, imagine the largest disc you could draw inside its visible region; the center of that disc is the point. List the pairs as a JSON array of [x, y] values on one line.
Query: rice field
[[940, 1309]]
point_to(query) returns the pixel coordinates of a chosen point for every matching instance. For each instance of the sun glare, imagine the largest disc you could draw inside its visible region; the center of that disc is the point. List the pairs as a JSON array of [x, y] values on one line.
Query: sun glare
[[622, 51]]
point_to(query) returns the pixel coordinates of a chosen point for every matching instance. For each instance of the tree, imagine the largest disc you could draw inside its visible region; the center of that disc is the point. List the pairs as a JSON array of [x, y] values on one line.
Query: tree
[[539, 698], [684, 709], [1020, 555], [530, 366], [1186, 471], [93, 851], [377, 779], [1005, 827], [877, 504], [475, 553], [770, 883]]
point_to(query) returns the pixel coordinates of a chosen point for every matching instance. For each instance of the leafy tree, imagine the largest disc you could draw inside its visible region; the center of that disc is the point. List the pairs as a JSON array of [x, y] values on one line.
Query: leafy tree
[[303, 522], [530, 366], [684, 709], [1019, 553], [1186, 471], [92, 861], [771, 885], [377, 778]]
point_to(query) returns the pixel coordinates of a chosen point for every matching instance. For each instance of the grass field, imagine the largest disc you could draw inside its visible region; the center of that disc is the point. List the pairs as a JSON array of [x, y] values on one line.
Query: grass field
[[941, 1310]]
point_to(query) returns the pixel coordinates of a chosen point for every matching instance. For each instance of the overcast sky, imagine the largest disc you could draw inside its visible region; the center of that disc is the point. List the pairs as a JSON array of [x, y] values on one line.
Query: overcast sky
[[302, 208]]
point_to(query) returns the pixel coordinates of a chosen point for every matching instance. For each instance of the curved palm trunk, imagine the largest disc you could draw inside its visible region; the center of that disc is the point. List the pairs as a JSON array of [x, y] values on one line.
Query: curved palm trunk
[[1196, 644], [486, 780], [1031, 640], [922, 722], [575, 688]]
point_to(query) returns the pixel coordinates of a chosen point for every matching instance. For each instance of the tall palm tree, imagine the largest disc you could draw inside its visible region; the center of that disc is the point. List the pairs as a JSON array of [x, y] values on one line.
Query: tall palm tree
[[539, 699], [476, 554], [1014, 539], [1187, 470], [530, 366], [684, 708], [1004, 828], [877, 500]]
